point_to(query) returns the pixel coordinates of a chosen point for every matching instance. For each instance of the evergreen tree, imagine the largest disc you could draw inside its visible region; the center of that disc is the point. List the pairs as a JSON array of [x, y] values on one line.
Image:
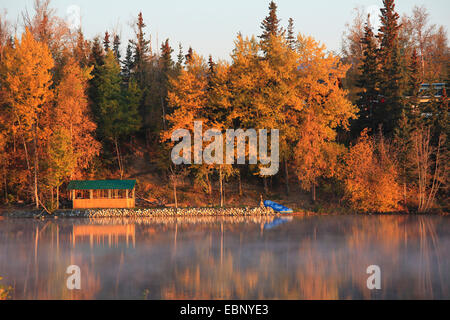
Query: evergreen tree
[[180, 58], [128, 64], [106, 41], [166, 68], [402, 143], [415, 79], [211, 72], [109, 89], [96, 59], [97, 55], [436, 116], [188, 57], [290, 33], [413, 111], [368, 82], [166, 61], [141, 51], [390, 108], [271, 24], [118, 107], [116, 47], [145, 77]]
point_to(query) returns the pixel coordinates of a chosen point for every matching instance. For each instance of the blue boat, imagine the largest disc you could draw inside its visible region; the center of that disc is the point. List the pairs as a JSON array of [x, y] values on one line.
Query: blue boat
[[277, 207]]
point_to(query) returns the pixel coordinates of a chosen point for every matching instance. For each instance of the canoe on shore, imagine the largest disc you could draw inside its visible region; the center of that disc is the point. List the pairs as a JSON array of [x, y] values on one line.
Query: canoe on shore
[[277, 207]]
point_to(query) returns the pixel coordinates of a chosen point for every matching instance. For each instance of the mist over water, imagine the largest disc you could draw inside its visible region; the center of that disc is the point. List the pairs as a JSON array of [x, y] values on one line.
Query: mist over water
[[319, 257]]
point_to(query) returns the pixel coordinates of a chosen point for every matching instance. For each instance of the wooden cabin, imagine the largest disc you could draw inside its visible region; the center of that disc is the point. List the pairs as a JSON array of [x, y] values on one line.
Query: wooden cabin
[[93, 194]]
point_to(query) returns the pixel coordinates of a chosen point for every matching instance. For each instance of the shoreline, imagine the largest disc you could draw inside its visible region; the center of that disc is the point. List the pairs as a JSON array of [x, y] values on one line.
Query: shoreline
[[181, 212], [137, 212]]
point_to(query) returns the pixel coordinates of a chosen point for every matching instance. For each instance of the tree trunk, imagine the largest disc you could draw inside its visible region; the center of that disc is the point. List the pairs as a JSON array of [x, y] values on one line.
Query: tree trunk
[[14, 141], [240, 184], [57, 197], [6, 188], [286, 171], [119, 161], [25, 148], [404, 193], [266, 188], [175, 191], [163, 109], [313, 193], [221, 186], [36, 196], [209, 185]]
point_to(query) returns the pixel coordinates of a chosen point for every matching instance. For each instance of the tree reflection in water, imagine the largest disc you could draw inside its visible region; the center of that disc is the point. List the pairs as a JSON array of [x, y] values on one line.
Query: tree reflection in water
[[319, 257]]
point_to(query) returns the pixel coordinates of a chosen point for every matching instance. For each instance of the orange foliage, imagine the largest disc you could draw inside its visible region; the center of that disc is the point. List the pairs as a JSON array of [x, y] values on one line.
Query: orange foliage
[[370, 177], [72, 112]]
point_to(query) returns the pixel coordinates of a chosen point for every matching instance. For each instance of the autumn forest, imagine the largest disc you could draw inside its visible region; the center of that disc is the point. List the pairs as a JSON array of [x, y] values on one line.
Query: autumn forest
[[361, 130]]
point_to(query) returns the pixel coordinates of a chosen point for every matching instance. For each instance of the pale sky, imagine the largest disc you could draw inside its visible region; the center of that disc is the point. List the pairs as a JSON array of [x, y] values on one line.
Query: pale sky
[[211, 26]]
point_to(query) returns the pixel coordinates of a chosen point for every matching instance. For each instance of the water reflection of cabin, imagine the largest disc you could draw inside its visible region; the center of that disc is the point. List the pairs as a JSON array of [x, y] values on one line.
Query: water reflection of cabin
[[102, 193], [99, 234]]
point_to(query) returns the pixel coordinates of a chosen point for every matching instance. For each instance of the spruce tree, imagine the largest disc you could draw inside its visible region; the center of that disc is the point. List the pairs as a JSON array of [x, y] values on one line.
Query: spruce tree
[[142, 56], [414, 83], [116, 47], [166, 57], [188, 57], [290, 33], [436, 115], [368, 81], [403, 148], [415, 79], [106, 41], [96, 56], [96, 59], [166, 69], [389, 111], [141, 51], [117, 106], [128, 64], [180, 58], [211, 72], [271, 24]]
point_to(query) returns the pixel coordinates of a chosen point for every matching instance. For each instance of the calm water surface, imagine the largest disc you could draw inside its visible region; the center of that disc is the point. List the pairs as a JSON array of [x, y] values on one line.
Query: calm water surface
[[322, 257]]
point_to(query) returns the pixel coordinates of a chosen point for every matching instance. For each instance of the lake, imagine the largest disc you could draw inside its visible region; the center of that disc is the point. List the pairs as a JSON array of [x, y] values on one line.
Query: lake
[[311, 257]]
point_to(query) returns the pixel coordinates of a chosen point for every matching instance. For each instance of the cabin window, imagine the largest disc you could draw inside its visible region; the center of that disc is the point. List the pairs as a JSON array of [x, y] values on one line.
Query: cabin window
[[101, 194], [82, 194]]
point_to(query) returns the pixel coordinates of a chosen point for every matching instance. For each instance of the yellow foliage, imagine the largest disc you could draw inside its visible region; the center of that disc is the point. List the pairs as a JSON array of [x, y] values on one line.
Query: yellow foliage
[[187, 96], [27, 79]]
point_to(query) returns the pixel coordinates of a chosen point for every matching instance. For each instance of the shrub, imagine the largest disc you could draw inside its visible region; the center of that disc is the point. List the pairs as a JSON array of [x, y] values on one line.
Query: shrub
[[370, 177]]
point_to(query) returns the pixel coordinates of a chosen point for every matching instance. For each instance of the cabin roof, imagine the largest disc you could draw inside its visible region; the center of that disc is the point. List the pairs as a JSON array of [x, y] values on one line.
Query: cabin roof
[[101, 184]]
